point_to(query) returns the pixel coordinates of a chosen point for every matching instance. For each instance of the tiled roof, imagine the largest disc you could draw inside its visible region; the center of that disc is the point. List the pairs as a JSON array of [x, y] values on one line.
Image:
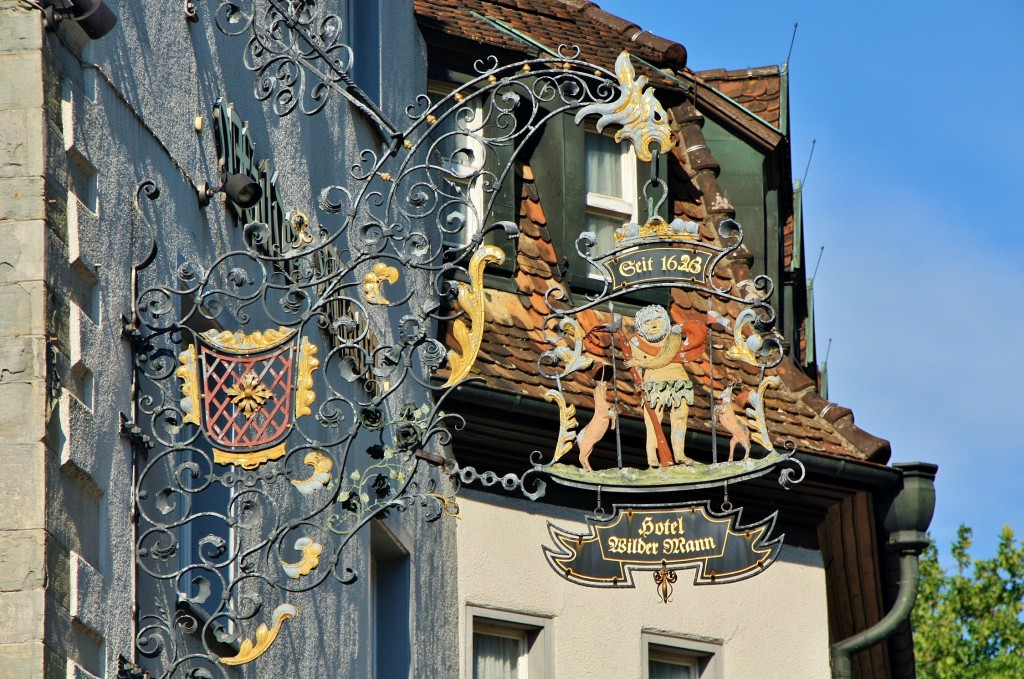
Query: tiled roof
[[601, 36], [756, 89], [521, 25]]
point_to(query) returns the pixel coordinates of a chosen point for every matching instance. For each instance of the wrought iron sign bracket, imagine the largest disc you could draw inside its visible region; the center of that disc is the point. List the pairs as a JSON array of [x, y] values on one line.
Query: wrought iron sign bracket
[[135, 435], [306, 416]]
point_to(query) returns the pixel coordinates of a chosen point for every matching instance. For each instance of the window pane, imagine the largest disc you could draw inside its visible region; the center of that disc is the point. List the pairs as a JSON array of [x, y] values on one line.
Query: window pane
[[495, 657], [667, 670], [604, 166], [604, 226]]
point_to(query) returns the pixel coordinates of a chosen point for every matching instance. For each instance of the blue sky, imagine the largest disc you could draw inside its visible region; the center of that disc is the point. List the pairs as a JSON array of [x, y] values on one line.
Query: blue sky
[[915, 192]]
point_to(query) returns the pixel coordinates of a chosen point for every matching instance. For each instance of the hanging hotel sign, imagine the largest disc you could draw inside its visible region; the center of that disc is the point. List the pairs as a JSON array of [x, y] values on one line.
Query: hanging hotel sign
[[248, 410], [663, 539]]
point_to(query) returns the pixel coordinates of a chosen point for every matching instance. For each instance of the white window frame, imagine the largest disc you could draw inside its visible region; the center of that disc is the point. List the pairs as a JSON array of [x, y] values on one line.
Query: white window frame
[[516, 634], [704, 656], [535, 661], [474, 186], [624, 206], [659, 654]]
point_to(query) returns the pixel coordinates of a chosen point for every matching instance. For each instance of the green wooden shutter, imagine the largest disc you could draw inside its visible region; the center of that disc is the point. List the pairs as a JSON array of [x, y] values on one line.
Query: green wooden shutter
[[558, 170]]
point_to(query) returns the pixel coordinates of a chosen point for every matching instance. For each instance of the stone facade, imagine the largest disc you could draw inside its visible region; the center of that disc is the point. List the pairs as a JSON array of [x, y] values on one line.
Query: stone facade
[[25, 588]]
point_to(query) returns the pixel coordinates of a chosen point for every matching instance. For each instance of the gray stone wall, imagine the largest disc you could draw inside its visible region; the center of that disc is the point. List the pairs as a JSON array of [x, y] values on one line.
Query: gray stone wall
[[81, 125], [23, 346]]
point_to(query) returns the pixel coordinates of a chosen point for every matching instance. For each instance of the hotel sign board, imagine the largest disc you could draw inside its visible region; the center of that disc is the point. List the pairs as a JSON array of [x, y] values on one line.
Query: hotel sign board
[[663, 538]]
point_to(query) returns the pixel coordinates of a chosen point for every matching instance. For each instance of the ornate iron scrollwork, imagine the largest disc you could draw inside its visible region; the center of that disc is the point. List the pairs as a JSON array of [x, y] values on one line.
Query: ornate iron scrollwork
[[311, 411], [295, 49]]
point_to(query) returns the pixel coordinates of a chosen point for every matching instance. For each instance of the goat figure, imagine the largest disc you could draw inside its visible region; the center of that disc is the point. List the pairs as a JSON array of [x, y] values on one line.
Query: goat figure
[[603, 419], [730, 422]]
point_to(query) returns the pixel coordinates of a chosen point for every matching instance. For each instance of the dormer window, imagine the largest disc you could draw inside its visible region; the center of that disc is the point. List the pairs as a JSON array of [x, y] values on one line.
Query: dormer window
[[611, 187]]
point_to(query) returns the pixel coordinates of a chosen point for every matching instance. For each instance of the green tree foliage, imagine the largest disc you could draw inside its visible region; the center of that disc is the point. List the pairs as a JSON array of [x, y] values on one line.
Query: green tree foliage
[[967, 621]]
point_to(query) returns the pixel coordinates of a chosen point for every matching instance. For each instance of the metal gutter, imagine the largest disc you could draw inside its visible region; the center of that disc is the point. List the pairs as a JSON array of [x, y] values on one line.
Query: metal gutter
[[784, 98], [906, 520], [842, 667], [683, 84]]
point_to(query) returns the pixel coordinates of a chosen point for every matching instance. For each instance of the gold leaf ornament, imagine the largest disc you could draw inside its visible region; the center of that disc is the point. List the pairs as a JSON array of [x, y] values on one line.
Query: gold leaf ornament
[[249, 394], [249, 460], [640, 114], [186, 372], [310, 552], [248, 343], [743, 347], [755, 413], [566, 423], [449, 506], [300, 224], [380, 273], [320, 477], [265, 637], [471, 298], [304, 394]]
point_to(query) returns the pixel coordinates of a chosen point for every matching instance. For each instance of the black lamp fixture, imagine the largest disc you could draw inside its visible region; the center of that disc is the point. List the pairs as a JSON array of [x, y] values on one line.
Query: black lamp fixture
[[93, 16], [239, 188]]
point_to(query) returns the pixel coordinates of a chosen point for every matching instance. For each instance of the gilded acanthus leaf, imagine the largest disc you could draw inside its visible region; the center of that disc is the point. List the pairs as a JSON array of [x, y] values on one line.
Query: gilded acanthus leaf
[[755, 413], [471, 299], [321, 475], [304, 394], [566, 423], [743, 346], [246, 343], [186, 372], [570, 357], [641, 116], [310, 552], [249, 651], [380, 273]]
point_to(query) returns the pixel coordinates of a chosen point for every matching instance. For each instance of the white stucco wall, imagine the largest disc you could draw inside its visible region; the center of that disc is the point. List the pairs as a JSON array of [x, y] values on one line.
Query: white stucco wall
[[773, 625]]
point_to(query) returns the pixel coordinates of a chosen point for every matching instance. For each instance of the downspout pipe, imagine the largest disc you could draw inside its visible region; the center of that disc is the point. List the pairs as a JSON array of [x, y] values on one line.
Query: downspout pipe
[[906, 521], [842, 667]]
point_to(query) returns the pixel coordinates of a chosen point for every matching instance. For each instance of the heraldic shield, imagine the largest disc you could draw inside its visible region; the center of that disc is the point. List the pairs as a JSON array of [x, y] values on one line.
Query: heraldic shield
[[246, 390]]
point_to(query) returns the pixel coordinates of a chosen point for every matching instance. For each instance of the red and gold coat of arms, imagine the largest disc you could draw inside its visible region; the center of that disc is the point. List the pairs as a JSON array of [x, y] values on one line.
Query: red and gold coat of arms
[[246, 390]]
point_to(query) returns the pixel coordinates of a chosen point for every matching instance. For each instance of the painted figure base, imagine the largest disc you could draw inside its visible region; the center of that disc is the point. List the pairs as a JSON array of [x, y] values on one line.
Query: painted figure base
[[676, 475]]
